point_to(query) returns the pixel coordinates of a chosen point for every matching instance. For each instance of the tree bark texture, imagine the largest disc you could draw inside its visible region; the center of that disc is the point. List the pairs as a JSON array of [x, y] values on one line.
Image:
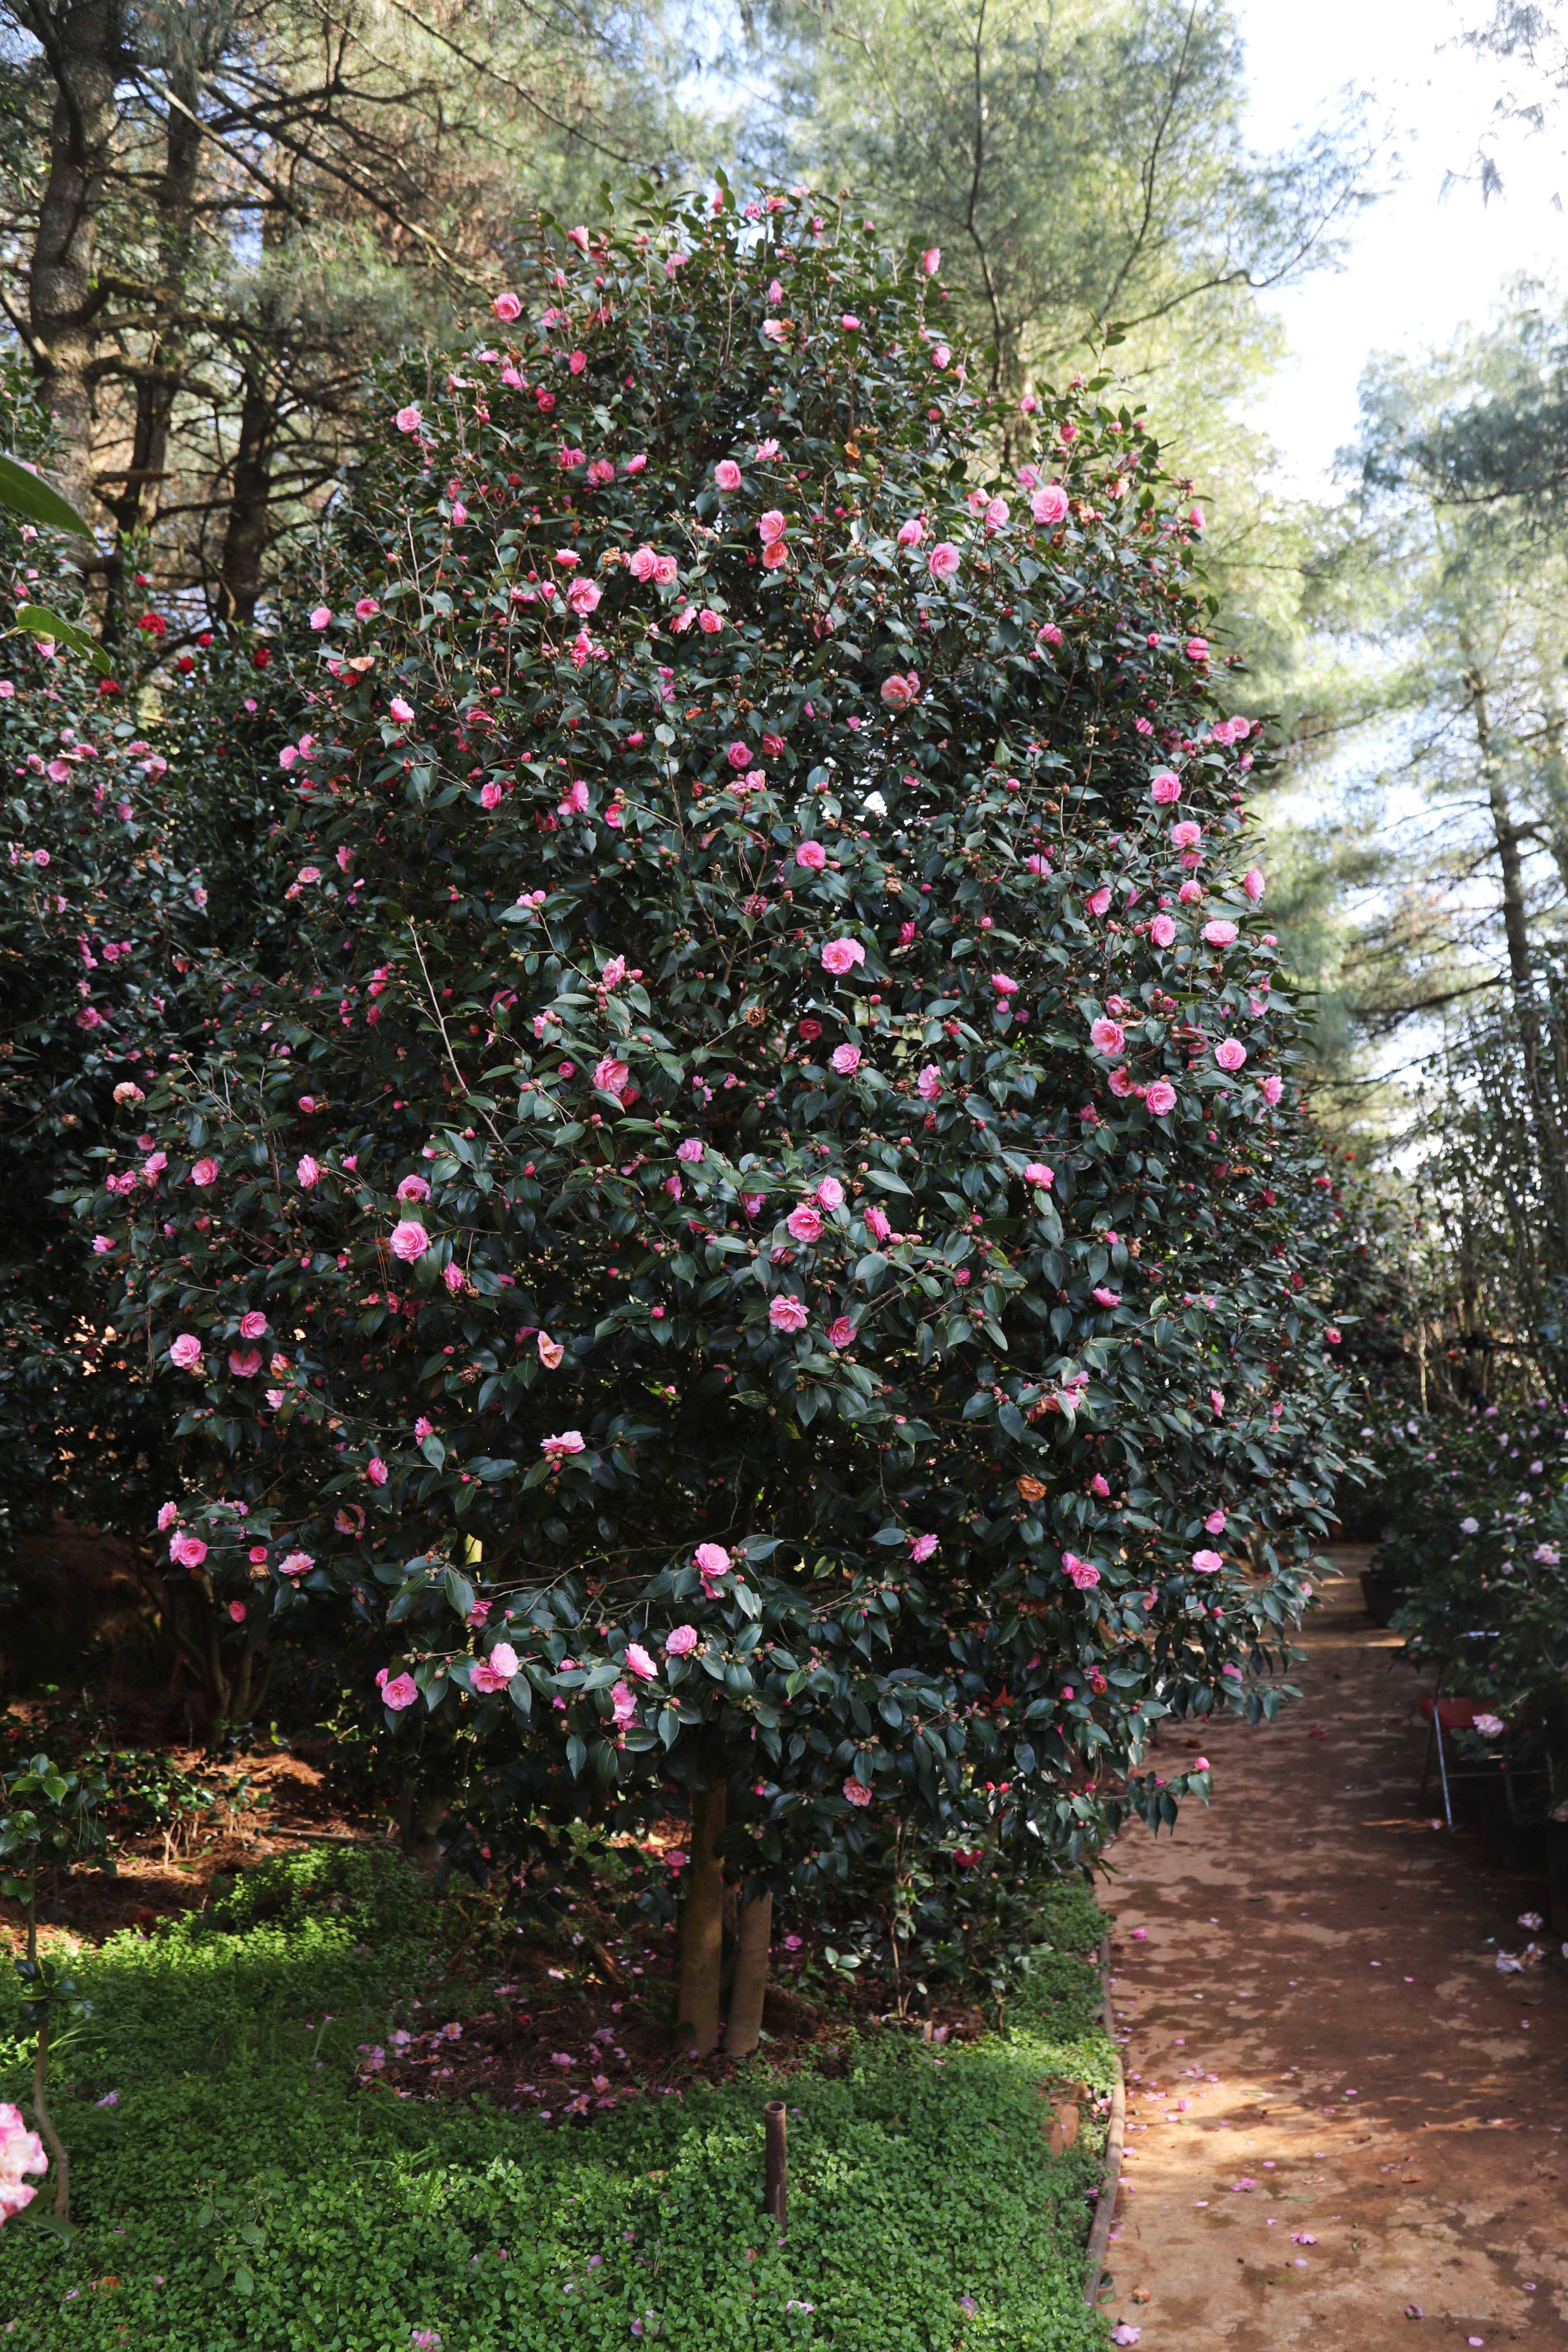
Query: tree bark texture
[[744, 2030], [702, 1924], [82, 45]]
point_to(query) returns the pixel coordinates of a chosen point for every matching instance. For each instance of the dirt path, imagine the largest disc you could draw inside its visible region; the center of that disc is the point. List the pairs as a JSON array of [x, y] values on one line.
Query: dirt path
[[1360, 2114]]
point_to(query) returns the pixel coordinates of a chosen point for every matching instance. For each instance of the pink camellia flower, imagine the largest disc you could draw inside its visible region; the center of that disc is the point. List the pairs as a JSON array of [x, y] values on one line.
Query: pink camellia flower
[[841, 956], [1208, 1563], [849, 323], [507, 308], [584, 597], [1106, 1297], [643, 564], [912, 533], [187, 1552], [739, 755], [400, 1692], [713, 1560], [944, 561], [556, 1450], [1163, 932], [610, 1076], [309, 1172], [998, 511], [1037, 1172], [625, 1705], [253, 1326], [102, 1246], [245, 1367], [167, 1514], [1273, 1087], [1216, 1404], [812, 855], [689, 1148], [1038, 862], [1003, 983], [1190, 893], [681, 1642], [1252, 883], [1082, 1572], [877, 1222], [401, 711], [454, 1277], [366, 608], [1106, 1036], [322, 618], [1160, 1098], [1050, 504], [413, 1188], [847, 1060], [787, 1314], [830, 1194], [1215, 1523], [1187, 834], [928, 1085], [205, 1172], [1048, 634], [1196, 649], [930, 261], [805, 1223], [1098, 901], [770, 527], [638, 1660], [21, 2151], [494, 1672], [377, 1471], [1165, 788], [407, 420], [727, 474], [409, 1240], [1230, 1052], [296, 1563], [922, 1548], [900, 689], [841, 1332], [1220, 933], [185, 1351]]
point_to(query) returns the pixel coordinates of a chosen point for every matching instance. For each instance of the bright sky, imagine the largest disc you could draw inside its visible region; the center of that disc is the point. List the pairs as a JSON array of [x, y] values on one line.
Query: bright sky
[[1423, 261]]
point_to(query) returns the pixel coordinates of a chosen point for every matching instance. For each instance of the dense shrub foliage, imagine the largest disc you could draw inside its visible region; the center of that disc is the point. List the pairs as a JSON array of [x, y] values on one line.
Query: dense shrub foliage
[[132, 807], [1476, 1534], [754, 1248], [241, 2183]]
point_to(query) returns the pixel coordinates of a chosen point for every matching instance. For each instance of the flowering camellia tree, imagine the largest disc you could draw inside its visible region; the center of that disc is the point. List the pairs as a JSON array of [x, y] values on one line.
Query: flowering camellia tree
[[747, 1255], [127, 875]]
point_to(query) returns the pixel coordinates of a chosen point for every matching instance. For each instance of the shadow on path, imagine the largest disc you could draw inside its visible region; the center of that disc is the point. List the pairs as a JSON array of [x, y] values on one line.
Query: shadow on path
[[1338, 2108]]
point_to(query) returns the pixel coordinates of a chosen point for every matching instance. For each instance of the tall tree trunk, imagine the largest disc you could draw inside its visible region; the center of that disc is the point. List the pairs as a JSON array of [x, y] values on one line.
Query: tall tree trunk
[[82, 45], [245, 538], [158, 382], [1540, 1104], [749, 1991], [702, 1924]]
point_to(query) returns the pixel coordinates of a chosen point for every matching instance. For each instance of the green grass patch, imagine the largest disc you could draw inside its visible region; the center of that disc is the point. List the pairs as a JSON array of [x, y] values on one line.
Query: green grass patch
[[245, 2192]]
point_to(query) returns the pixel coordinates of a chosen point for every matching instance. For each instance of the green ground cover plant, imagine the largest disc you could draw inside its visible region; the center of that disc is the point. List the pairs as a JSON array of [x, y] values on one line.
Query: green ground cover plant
[[238, 2184]]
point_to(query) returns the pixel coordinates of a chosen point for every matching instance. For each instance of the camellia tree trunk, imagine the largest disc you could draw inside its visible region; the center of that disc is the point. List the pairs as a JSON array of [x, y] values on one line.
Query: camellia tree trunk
[[702, 1925], [701, 2005]]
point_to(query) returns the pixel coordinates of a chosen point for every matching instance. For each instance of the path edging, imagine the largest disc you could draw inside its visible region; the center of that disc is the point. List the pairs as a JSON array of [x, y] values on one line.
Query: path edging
[[1111, 2175]]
